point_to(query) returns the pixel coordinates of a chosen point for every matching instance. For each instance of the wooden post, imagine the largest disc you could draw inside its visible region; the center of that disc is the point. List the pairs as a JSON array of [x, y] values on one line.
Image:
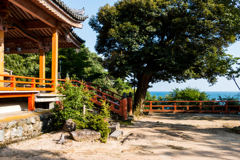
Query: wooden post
[[124, 106], [13, 84], [175, 107], [55, 57], [113, 96], [129, 103], [84, 109], [200, 106], [150, 109], [31, 102], [226, 106], [42, 66], [33, 85], [1, 57]]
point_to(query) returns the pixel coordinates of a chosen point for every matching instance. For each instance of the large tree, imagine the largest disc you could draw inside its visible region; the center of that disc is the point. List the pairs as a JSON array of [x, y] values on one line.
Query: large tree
[[165, 40]]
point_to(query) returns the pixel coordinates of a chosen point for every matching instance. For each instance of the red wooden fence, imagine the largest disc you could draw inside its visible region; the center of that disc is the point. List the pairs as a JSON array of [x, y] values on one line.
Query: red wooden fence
[[198, 107]]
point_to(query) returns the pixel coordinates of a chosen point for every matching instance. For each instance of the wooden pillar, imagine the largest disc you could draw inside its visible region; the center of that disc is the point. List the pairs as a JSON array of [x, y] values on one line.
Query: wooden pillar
[[1, 57], [31, 102], [55, 57], [124, 106], [42, 61], [130, 103]]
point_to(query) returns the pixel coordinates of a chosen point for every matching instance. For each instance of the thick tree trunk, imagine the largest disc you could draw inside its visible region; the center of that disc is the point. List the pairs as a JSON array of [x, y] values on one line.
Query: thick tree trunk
[[142, 87]]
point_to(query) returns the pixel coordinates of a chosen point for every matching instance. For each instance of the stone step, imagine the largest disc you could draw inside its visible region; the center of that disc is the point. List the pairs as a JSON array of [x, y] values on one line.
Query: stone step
[[116, 135], [114, 126]]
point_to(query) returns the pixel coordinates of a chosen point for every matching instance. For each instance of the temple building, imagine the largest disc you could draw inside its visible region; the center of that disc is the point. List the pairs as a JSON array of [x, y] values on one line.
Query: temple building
[[34, 26]]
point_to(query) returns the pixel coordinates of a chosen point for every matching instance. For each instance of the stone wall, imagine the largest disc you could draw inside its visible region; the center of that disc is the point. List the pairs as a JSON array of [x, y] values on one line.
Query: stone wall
[[17, 130]]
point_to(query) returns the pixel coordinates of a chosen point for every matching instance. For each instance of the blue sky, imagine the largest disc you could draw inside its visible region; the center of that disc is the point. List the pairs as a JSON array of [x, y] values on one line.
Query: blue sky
[[91, 8]]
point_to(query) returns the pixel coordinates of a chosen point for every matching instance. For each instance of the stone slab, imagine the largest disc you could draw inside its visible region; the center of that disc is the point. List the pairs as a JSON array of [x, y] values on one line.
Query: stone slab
[[114, 126], [116, 135], [85, 134]]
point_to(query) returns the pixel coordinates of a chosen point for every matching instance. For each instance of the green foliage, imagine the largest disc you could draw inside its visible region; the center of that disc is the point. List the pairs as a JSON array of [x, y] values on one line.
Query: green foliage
[[165, 40], [23, 65], [71, 105], [187, 94], [105, 110], [121, 85], [79, 63], [96, 122]]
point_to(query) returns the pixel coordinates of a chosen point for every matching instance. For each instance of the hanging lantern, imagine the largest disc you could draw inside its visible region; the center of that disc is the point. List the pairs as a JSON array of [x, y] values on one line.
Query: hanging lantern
[[7, 49], [19, 49]]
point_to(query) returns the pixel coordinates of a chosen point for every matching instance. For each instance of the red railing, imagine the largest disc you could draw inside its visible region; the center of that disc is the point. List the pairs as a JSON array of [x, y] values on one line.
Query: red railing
[[192, 106], [104, 90], [117, 105], [22, 83]]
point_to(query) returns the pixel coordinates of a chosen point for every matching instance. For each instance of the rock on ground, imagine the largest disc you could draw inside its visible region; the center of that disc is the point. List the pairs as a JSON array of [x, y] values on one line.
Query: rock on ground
[[69, 126], [85, 134]]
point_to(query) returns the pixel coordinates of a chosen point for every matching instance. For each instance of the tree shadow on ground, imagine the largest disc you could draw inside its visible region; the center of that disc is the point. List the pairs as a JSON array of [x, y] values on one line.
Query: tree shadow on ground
[[7, 153], [215, 138]]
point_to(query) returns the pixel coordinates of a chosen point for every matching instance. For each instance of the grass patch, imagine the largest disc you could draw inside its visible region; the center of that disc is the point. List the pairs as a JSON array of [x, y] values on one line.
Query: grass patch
[[177, 147], [234, 130], [126, 123]]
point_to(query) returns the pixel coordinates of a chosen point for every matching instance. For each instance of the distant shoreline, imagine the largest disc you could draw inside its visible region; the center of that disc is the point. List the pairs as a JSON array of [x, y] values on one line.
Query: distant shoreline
[[212, 94]]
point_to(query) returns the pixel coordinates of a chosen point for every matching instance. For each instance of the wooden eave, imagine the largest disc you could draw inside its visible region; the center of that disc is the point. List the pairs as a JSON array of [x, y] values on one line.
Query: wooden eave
[[50, 9], [31, 33]]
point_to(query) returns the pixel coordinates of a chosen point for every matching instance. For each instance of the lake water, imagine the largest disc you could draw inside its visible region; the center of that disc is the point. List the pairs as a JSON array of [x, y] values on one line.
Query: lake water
[[211, 94]]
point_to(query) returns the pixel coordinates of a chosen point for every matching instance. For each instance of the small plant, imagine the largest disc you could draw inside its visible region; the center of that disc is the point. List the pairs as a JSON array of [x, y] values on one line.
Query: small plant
[[105, 110], [71, 105]]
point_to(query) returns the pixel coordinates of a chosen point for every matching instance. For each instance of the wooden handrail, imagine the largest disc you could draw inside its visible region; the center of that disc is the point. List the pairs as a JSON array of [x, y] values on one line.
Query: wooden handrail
[[34, 81], [92, 84], [199, 108]]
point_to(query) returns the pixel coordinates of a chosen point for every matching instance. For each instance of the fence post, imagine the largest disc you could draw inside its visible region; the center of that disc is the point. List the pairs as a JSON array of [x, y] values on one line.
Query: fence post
[[175, 107], [130, 103], [150, 111], [103, 96], [124, 106], [33, 85], [200, 106], [84, 110], [226, 106], [113, 96], [13, 84]]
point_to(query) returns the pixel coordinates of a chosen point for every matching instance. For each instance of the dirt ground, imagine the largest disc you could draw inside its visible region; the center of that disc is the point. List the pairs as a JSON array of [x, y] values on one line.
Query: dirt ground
[[156, 136]]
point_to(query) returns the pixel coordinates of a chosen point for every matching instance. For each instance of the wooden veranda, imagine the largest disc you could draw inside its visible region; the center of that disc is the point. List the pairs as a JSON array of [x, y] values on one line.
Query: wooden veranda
[[36, 26]]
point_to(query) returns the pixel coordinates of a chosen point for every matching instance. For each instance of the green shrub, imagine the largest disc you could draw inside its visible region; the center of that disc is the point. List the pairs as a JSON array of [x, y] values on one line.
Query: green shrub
[[96, 122], [71, 105]]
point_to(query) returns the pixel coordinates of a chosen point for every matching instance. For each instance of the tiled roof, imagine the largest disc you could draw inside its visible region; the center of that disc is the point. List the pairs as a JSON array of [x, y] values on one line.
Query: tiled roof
[[71, 12], [77, 37]]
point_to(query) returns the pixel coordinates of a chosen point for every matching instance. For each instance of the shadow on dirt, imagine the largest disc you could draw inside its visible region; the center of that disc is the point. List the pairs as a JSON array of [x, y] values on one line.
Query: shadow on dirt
[[8, 154], [219, 138]]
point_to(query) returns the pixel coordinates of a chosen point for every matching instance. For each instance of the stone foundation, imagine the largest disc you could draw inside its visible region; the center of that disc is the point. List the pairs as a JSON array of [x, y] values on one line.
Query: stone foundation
[[25, 127]]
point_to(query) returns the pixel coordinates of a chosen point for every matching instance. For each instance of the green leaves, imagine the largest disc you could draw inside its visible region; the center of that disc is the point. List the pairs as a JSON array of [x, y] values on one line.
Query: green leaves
[[171, 40]]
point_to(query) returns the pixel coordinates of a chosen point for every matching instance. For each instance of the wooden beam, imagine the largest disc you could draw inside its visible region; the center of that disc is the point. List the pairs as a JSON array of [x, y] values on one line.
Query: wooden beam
[[36, 25], [34, 10], [23, 51], [22, 40], [20, 27], [1, 56], [55, 57], [42, 73]]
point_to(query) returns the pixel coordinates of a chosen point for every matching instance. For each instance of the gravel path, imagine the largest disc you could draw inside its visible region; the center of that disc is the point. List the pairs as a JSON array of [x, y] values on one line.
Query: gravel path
[[156, 136]]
